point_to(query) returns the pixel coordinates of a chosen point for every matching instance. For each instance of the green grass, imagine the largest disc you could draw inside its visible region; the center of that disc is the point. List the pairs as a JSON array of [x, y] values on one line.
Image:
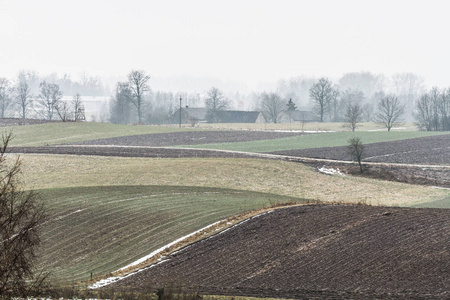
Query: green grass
[[319, 140], [70, 132], [101, 229], [442, 203]]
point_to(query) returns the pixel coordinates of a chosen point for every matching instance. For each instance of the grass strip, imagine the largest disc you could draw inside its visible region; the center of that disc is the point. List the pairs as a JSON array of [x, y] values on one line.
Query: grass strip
[[71, 132]]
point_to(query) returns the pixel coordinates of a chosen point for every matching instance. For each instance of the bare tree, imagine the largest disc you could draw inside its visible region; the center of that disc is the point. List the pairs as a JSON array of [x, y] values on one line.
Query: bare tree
[[321, 94], [215, 102], [63, 110], [6, 100], [49, 98], [432, 110], [21, 214], [390, 112], [367, 113], [424, 113], [333, 105], [272, 107], [356, 150], [23, 94], [78, 109], [408, 87], [353, 115], [120, 109], [444, 108], [138, 84], [349, 98]]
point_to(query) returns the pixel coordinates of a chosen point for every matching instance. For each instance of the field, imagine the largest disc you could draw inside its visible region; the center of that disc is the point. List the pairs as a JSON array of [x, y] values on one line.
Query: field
[[267, 176], [433, 150], [69, 132], [117, 193], [101, 229], [405, 157], [317, 252]]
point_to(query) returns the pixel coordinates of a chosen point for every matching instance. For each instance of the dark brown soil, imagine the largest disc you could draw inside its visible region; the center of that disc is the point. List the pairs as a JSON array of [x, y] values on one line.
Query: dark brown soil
[[192, 138], [317, 252], [128, 151], [433, 150]]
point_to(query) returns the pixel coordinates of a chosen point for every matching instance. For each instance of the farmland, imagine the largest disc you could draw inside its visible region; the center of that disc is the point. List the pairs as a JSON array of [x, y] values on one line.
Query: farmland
[[117, 193], [336, 252], [101, 229]]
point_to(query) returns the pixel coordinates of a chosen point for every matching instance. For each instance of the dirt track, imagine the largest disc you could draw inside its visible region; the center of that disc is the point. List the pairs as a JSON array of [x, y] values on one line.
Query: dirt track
[[318, 252]]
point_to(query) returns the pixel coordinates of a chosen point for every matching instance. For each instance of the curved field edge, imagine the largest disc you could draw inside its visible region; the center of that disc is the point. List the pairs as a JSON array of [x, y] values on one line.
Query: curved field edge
[[267, 176], [346, 248], [71, 132], [318, 140], [441, 203], [101, 229]]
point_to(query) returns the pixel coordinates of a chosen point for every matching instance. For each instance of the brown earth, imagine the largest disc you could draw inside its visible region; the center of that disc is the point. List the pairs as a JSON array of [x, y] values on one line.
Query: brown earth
[[423, 151], [432, 150], [192, 138], [316, 252]]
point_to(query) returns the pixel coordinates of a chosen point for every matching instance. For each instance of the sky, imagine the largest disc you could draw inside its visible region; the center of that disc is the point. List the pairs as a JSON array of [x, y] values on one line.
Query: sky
[[247, 42]]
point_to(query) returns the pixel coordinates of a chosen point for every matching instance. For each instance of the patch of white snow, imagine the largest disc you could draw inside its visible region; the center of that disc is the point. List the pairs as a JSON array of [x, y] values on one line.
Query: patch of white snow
[[330, 171]]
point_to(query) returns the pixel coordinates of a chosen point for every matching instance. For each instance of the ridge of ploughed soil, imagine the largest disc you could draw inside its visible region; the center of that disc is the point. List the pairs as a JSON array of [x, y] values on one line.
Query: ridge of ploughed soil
[[191, 138], [423, 150], [316, 252]]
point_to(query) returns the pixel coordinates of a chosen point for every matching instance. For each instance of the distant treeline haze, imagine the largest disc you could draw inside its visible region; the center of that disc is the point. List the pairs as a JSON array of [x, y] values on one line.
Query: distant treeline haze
[[353, 98]]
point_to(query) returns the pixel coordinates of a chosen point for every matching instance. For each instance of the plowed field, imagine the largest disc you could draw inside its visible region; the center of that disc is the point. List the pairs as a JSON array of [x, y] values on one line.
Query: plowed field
[[433, 150], [317, 252], [192, 138]]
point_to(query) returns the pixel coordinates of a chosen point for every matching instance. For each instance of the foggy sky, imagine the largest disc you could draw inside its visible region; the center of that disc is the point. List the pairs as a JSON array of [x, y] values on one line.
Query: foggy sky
[[234, 41]]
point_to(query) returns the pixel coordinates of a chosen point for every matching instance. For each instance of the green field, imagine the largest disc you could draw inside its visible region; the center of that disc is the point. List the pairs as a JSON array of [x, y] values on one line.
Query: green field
[[101, 229], [70, 132], [441, 203], [318, 140]]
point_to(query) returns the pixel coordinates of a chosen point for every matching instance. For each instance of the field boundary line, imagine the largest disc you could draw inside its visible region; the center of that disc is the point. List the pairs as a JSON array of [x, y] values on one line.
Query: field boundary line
[[249, 154]]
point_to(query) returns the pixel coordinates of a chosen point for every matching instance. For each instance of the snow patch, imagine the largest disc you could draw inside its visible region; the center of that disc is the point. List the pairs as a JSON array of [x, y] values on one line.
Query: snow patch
[[330, 171], [107, 281]]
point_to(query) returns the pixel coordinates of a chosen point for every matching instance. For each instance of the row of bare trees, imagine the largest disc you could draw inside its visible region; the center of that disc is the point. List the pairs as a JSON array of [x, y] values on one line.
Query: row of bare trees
[[348, 106], [432, 111], [47, 104]]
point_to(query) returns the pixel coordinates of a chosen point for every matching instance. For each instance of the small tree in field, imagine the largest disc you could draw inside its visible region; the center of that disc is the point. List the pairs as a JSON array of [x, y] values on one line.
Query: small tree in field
[[356, 150], [352, 115], [21, 214]]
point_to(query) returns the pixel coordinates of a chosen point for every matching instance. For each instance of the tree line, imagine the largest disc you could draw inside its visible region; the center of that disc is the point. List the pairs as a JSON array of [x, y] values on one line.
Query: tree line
[[32, 96], [354, 98]]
